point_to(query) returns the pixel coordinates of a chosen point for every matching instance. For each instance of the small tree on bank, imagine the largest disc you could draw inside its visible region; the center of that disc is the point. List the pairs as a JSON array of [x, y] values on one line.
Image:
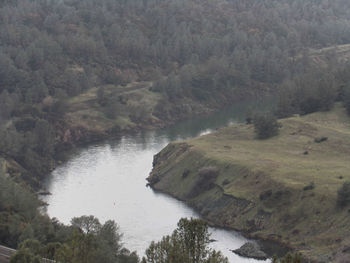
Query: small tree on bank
[[265, 125], [187, 244], [344, 194]]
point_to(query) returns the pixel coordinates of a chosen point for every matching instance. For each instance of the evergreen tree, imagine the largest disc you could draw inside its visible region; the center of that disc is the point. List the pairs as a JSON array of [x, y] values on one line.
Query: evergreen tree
[[265, 125], [187, 244]]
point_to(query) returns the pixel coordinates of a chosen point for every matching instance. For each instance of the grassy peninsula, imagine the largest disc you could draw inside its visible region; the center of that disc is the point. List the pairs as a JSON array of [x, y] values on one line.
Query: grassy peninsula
[[283, 188]]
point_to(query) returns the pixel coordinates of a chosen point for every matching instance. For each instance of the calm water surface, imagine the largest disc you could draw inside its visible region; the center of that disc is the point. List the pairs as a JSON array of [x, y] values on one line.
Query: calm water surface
[[107, 180]]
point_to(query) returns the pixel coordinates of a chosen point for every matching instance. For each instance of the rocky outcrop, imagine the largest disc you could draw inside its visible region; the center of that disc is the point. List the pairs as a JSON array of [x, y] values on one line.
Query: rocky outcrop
[[187, 174], [251, 250]]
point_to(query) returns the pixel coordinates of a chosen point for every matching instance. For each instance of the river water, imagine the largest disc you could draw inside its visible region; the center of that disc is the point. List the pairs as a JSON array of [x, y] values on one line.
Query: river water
[[107, 180]]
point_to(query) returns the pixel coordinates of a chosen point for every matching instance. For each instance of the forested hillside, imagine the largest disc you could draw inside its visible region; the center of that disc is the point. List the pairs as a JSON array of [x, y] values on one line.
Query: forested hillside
[[59, 56], [209, 52]]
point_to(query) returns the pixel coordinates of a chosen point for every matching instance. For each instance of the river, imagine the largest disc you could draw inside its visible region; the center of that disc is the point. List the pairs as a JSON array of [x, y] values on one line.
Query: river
[[107, 180]]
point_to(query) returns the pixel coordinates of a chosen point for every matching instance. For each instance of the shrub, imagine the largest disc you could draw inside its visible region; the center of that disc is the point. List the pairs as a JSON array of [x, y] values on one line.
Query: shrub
[[265, 125], [101, 96], [265, 195], [320, 139], [347, 99], [249, 117], [310, 186], [208, 172], [226, 182], [344, 194], [347, 105], [205, 181], [185, 173]]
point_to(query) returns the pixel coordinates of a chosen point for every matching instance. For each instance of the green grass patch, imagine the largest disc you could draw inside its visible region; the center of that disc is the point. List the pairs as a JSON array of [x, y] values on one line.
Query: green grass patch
[[267, 180], [133, 106]]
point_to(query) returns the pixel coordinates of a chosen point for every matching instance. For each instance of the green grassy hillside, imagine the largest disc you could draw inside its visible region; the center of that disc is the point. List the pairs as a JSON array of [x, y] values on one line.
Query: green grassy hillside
[[133, 105], [125, 109], [283, 188]]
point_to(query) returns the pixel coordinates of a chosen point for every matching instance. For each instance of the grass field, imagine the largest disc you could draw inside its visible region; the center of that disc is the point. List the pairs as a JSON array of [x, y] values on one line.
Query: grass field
[[133, 102], [283, 188], [282, 157]]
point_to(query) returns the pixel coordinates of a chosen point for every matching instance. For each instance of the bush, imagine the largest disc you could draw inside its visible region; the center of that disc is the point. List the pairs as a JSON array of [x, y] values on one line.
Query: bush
[[226, 182], [101, 96], [346, 99], [265, 195], [310, 186], [205, 181], [265, 125], [320, 139], [347, 105], [344, 194], [185, 173], [208, 172]]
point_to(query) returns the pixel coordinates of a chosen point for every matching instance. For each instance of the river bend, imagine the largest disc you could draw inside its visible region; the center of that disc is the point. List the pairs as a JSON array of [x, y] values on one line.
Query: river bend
[[107, 180]]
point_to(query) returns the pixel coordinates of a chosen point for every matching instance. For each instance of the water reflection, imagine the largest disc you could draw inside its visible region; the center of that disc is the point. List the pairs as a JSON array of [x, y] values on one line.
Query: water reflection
[[108, 181]]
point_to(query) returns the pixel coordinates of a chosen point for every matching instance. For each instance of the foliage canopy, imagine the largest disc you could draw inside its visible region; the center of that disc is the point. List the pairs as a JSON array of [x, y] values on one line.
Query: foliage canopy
[[265, 125], [187, 244]]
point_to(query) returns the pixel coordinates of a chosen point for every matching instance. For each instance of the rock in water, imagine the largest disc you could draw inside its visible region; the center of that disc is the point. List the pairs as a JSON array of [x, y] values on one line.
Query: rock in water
[[250, 250]]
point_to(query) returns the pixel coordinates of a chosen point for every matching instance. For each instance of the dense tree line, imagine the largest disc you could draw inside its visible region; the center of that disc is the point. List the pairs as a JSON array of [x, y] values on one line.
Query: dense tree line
[[209, 51], [87, 240], [315, 90], [19, 216]]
